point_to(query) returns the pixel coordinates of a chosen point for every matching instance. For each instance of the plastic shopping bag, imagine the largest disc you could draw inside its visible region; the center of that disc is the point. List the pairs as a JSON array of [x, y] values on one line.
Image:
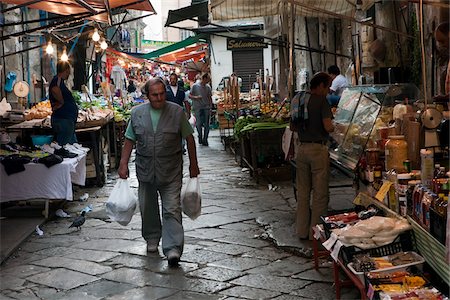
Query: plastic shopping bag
[[191, 198], [122, 203]]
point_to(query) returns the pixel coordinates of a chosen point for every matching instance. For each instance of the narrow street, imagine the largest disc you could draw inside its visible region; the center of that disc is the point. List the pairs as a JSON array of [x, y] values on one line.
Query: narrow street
[[243, 246]]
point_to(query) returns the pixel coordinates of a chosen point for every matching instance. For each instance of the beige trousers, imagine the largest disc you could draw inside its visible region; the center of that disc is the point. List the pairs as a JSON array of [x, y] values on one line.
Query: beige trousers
[[312, 176]]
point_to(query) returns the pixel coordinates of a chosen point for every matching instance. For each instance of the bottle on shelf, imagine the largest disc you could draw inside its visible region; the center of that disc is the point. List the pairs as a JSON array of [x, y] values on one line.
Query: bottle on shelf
[[436, 170]]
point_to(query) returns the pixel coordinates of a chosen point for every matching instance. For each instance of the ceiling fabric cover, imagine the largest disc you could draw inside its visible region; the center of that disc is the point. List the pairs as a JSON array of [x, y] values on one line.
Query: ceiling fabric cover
[[242, 9], [71, 7]]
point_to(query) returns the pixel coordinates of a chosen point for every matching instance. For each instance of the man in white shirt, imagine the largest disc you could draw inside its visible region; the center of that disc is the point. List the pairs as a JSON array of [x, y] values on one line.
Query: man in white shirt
[[337, 86]]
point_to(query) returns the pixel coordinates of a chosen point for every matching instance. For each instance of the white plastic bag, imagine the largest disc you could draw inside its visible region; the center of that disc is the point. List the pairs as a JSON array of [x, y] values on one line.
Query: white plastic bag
[[191, 198], [122, 203]]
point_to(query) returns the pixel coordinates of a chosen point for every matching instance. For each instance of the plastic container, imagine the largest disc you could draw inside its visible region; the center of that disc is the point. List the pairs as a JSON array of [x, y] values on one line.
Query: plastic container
[[404, 242], [396, 152], [39, 140], [418, 263]]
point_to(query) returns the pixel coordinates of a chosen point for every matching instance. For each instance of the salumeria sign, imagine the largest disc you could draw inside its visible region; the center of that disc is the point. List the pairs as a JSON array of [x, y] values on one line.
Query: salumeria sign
[[235, 44]]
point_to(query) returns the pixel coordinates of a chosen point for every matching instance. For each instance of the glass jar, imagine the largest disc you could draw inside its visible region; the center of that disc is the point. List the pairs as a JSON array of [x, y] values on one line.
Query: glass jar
[[396, 152]]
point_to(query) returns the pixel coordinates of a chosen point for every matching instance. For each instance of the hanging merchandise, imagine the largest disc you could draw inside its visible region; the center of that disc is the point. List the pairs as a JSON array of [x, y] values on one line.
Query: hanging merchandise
[[10, 80]]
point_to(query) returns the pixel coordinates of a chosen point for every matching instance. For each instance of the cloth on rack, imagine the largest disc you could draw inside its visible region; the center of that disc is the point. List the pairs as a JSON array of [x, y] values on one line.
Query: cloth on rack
[[119, 77]]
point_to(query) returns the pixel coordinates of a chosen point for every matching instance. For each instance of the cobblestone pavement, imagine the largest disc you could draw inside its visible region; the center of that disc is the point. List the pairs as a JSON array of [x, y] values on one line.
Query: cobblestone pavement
[[243, 246]]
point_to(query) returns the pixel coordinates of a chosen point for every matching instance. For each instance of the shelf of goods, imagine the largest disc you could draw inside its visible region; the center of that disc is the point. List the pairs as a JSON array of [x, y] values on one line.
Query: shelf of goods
[[432, 250], [407, 243], [362, 111]]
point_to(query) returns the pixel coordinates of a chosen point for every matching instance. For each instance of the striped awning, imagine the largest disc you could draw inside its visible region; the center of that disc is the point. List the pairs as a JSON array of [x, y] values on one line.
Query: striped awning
[[243, 9], [95, 9]]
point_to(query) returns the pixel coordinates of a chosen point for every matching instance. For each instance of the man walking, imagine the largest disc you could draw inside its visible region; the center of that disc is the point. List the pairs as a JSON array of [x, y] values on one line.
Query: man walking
[[201, 96], [156, 128]]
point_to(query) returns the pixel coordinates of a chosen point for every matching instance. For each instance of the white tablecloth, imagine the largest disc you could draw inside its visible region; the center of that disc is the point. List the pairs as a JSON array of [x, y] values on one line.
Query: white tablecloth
[[40, 182]]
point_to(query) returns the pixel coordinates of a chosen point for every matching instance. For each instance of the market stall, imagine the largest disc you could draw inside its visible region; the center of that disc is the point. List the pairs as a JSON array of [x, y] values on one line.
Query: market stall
[[397, 147], [378, 251]]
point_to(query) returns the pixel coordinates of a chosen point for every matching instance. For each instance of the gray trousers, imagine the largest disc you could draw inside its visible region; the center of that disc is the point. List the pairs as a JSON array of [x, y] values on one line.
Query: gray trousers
[[171, 230], [313, 168]]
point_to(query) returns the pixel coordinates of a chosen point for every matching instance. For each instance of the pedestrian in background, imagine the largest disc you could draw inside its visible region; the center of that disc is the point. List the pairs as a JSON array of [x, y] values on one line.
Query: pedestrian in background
[[201, 96], [175, 93], [337, 86], [312, 155], [156, 128], [64, 109]]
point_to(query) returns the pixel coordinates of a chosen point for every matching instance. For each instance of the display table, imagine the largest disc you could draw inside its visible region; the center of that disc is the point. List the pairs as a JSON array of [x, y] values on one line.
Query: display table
[[40, 182]]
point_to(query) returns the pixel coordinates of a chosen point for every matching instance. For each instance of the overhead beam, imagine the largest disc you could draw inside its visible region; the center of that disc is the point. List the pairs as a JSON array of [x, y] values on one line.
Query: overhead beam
[[86, 6]]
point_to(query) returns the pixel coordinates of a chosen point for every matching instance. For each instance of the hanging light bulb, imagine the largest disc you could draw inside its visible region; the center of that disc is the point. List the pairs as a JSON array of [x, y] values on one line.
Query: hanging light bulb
[[104, 45], [49, 48], [64, 56], [96, 36]]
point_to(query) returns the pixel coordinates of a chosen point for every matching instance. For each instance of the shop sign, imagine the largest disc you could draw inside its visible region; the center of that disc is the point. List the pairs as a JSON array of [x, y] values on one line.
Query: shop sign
[[245, 44], [151, 45]]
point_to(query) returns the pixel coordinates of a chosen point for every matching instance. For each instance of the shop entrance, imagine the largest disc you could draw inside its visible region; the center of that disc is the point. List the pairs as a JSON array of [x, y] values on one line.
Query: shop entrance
[[246, 64]]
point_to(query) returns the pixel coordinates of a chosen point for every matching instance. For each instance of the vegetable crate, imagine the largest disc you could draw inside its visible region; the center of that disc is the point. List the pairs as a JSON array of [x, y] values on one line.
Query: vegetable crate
[[262, 153], [404, 242]]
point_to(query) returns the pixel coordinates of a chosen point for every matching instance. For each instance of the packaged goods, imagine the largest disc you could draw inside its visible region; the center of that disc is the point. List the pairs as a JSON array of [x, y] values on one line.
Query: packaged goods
[[396, 152], [427, 170]]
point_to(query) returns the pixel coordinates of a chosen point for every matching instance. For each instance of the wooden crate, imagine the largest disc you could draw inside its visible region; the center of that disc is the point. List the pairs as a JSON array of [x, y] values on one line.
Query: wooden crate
[[224, 123]]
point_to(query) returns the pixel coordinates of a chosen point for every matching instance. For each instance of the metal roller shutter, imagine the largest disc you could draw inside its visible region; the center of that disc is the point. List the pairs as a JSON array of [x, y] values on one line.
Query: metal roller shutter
[[246, 64]]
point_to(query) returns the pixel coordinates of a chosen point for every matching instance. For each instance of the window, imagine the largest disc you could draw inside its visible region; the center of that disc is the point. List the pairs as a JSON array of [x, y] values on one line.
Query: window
[[184, 34]]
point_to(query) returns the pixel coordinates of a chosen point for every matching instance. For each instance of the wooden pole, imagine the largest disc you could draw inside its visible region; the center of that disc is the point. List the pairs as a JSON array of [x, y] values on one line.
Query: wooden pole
[[291, 51]]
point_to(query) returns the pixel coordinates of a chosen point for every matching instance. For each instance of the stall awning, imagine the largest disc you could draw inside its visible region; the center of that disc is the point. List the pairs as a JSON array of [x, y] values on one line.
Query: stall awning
[[180, 54], [183, 44], [121, 55], [97, 9], [199, 10], [244, 9]]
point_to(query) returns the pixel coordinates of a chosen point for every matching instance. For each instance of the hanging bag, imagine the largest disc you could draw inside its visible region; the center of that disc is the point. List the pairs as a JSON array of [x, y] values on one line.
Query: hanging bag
[[122, 203], [191, 198]]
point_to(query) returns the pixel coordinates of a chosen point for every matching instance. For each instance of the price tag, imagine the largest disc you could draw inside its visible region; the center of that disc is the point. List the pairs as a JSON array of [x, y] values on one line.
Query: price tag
[[383, 191], [357, 200], [337, 248], [328, 244]]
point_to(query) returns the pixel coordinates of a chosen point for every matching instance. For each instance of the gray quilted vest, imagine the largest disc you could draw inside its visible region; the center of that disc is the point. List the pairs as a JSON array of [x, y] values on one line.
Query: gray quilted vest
[[159, 156]]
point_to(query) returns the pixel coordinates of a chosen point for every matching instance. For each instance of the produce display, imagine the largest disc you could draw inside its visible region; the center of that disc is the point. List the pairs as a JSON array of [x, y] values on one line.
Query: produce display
[[366, 263], [402, 285], [39, 111]]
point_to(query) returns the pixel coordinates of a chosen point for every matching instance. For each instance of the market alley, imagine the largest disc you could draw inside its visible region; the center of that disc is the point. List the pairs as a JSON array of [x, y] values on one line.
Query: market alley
[[243, 246]]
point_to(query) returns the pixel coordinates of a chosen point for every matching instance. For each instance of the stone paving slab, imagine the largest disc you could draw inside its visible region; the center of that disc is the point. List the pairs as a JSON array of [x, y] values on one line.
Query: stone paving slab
[[145, 293], [239, 263], [92, 255], [104, 288], [132, 276], [22, 271], [192, 296], [216, 273], [250, 293], [282, 268], [11, 283], [273, 283], [321, 275], [229, 248], [268, 253], [113, 245], [87, 267], [203, 256], [244, 241], [62, 279]]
